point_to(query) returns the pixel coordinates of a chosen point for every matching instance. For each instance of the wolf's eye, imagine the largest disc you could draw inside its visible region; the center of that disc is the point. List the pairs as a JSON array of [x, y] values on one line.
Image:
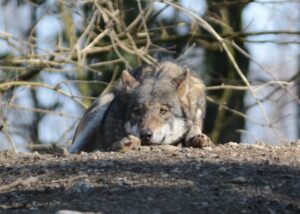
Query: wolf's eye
[[163, 110], [136, 111]]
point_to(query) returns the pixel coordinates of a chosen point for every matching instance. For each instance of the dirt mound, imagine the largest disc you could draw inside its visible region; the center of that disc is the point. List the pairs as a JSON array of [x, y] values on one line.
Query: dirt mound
[[229, 178]]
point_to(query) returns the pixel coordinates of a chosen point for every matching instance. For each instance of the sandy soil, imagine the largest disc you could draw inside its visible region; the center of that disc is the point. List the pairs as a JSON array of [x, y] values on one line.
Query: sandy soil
[[229, 178]]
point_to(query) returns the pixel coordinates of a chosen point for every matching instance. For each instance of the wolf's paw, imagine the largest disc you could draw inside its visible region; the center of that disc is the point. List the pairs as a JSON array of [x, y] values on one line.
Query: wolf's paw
[[199, 141], [127, 143]]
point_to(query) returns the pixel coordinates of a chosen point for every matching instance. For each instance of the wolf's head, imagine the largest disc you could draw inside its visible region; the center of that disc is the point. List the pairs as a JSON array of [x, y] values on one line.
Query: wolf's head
[[153, 110]]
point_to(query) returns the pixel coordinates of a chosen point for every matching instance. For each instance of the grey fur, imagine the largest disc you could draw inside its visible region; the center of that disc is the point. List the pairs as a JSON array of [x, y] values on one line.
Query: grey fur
[[165, 100]]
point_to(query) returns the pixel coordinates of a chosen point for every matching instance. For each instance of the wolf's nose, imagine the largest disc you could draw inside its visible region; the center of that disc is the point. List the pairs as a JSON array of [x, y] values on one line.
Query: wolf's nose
[[146, 134]]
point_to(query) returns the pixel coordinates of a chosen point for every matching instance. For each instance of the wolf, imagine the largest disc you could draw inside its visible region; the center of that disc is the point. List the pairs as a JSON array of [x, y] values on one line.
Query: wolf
[[156, 104]]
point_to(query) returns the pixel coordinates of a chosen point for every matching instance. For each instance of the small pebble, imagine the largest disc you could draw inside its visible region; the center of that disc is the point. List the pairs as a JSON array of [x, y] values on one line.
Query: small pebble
[[239, 180], [222, 169], [204, 204], [208, 148], [169, 148], [81, 187], [185, 150], [233, 144], [164, 175], [68, 212], [145, 149]]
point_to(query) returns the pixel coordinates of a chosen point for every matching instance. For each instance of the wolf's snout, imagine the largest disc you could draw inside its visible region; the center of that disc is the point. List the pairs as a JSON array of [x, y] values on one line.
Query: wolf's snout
[[146, 134]]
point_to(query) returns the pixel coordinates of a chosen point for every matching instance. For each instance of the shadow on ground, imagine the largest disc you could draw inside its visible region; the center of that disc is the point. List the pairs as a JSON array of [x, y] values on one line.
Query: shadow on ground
[[142, 184]]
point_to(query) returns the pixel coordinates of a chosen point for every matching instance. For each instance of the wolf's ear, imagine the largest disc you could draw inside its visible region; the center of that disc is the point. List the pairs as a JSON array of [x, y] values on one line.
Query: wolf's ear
[[128, 81], [181, 82]]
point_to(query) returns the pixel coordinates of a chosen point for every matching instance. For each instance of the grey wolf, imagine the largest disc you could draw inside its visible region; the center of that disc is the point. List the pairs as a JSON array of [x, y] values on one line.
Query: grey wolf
[[154, 105]]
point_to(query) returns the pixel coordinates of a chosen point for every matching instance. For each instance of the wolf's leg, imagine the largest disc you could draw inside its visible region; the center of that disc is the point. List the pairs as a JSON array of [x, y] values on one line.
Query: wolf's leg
[[127, 143], [195, 138]]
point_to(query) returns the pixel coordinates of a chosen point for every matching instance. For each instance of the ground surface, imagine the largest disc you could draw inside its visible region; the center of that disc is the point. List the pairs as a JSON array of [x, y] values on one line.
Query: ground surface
[[225, 179]]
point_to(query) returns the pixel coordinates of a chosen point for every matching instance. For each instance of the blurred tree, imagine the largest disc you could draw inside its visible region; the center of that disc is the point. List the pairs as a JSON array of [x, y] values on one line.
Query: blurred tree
[[223, 125]]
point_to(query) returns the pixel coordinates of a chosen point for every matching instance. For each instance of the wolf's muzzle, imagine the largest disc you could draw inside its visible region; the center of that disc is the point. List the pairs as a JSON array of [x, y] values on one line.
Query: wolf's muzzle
[[146, 135]]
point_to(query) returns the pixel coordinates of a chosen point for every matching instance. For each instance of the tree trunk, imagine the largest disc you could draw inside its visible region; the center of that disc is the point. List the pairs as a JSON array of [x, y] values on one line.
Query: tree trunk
[[223, 125]]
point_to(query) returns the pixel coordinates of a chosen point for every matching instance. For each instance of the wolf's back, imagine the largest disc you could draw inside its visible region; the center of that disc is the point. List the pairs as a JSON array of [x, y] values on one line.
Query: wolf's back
[[89, 126]]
